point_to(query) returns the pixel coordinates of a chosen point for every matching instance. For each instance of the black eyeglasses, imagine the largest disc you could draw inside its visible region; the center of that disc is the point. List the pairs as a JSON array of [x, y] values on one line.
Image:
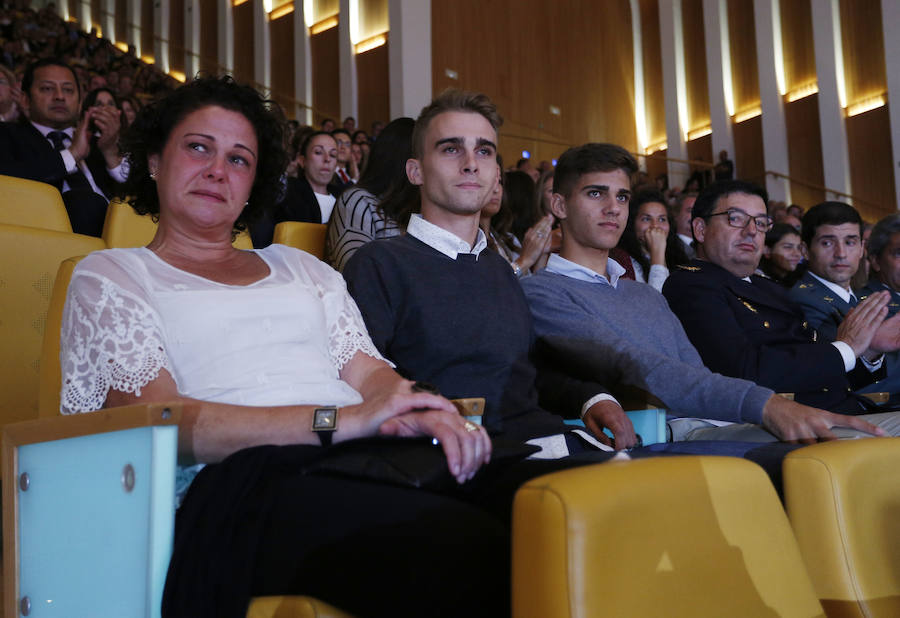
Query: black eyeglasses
[[740, 219]]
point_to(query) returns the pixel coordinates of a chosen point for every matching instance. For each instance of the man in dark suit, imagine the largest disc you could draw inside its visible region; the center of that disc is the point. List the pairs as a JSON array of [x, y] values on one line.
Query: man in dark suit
[[55, 147], [746, 326]]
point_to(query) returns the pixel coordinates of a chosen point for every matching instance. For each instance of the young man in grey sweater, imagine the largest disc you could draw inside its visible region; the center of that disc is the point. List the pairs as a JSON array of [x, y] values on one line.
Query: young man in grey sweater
[[616, 330]]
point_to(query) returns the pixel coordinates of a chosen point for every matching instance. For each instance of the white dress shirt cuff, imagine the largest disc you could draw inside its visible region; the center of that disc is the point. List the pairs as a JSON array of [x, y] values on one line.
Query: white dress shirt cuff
[[847, 354], [874, 365], [120, 172], [596, 399]]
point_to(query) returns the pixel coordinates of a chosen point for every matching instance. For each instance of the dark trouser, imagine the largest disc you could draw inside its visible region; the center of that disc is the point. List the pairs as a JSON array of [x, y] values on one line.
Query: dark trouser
[[87, 211]]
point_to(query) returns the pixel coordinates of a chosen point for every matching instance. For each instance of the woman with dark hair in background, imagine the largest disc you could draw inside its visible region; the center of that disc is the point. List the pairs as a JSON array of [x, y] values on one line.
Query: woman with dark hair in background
[[650, 240], [782, 255], [375, 206]]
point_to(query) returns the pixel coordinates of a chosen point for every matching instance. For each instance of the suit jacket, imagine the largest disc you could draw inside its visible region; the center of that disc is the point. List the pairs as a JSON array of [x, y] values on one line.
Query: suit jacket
[[824, 309], [25, 153], [299, 203], [753, 330]]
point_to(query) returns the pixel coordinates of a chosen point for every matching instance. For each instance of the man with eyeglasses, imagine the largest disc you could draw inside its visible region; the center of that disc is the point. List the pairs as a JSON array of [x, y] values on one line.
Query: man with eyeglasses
[[744, 325]]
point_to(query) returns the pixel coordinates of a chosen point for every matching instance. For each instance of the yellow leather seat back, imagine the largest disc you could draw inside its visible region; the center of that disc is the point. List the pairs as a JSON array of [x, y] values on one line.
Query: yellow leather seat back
[[309, 237], [843, 500], [29, 260], [32, 204], [292, 607], [675, 536], [124, 228], [50, 376]]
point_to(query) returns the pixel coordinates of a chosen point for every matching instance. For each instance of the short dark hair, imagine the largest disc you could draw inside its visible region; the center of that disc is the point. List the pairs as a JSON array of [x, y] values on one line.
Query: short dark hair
[[779, 231], [344, 131], [453, 101], [28, 78], [710, 196], [881, 234], [153, 126], [593, 157], [828, 213]]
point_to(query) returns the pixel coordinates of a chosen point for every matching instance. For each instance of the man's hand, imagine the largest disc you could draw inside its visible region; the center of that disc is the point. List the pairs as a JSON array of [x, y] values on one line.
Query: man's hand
[[81, 138], [793, 422], [108, 121], [610, 415], [861, 323], [887, 337]]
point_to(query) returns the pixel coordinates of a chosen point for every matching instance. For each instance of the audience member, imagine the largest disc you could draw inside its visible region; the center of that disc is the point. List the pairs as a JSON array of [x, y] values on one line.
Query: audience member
[[359, 216], [130, 108], [782, 255], [524, 165], [327, 125], [683, 205], [377, 128], [268, 353], [10, 96], [649, 240], [724, 169], [746, 326], [861, 278], [450, 313], [349, 125], [586, 316], [55, 147], [345, 173]]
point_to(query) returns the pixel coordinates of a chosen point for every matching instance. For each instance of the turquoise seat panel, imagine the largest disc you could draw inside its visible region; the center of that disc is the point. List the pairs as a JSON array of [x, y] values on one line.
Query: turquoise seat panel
[[107, 552]]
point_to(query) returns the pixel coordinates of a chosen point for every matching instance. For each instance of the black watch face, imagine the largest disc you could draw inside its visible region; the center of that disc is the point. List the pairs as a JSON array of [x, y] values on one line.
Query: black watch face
[[324, 419]]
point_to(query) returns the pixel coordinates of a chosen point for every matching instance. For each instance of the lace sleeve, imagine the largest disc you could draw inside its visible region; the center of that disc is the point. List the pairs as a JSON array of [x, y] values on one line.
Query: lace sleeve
[[347, 332], [111, 339]]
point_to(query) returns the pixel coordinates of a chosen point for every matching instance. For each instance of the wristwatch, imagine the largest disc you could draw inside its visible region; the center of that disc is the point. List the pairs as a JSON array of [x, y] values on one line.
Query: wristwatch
[[324, 423]]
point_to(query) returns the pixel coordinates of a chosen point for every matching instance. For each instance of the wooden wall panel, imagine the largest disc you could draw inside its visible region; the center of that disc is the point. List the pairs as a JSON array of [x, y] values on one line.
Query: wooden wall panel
[[871, 163], [700, 149], [657, 164], [374, 88], [323, 9], [748, 151], [176, 35], [147, 30], [373, 18], [742, 33], [797, 43], [121, 21], [73, 9], [281, 42], [243, 41], [97, 17], [326, 85], [531, 55], [801, 119], [654, 99], [209, 37], [695, 63], [861, 34]]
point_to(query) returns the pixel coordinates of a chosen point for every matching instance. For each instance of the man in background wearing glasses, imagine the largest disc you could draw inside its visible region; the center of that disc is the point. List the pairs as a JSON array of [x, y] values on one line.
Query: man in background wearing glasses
[[744, 325]]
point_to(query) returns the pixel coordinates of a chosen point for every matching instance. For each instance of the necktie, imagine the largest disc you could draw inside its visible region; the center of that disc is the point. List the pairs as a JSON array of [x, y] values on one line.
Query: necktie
[[77, 179], [343, 175]]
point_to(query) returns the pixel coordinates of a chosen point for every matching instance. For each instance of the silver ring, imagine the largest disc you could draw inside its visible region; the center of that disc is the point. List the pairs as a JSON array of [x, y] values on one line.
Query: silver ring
[[470, 426]]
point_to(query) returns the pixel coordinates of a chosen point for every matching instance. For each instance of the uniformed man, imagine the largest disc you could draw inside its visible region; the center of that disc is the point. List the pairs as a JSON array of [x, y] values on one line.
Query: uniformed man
[[746, 326]]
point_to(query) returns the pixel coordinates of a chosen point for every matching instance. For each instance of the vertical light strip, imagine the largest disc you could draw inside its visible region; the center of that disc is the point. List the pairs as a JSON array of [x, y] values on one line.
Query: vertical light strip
[[308, 17], [680, 77], [838, 53], [778, 48], [354, 22], [640, 106], [725, 42]]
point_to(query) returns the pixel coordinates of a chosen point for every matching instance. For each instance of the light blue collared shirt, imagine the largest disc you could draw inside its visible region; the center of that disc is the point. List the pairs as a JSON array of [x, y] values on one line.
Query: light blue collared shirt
[[562, 266]]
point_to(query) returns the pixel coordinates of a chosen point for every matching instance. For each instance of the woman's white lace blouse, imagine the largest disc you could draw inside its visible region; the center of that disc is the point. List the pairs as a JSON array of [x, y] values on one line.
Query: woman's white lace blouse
[[279, 341]]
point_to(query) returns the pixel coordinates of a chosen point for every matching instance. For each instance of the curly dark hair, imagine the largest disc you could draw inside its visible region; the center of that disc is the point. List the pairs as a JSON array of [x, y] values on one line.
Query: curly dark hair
[[151, 129]]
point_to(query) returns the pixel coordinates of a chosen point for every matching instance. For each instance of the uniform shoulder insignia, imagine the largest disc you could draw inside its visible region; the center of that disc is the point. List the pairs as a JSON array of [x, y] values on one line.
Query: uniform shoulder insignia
[[749, 306], [762, 275], [804, 286], [828, 299], [690, 269]]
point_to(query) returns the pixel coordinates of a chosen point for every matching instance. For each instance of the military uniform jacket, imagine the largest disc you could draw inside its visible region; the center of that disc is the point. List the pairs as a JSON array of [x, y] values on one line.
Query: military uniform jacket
[[823, 309], [753, 330]]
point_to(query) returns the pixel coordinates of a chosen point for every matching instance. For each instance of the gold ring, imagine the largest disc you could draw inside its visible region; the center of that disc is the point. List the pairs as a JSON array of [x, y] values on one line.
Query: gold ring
[[470, 426]]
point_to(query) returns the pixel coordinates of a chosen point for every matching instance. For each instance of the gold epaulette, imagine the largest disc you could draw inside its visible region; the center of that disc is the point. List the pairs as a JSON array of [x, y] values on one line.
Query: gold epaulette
[[690, 269]]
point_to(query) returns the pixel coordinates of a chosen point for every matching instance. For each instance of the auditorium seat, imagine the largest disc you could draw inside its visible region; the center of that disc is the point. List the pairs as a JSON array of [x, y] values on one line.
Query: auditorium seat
[[124, 228], [672, 536], [29, 260], [843, 500], [309, 237], [32, 204]]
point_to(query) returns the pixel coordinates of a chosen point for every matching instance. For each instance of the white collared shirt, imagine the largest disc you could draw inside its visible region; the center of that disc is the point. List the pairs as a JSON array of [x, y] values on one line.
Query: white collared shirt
[[118, 173], [845, 294], [562, 266], [443, 241]]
